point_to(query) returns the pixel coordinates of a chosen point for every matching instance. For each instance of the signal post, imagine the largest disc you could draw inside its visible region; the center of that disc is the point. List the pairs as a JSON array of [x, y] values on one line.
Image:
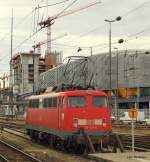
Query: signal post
[[133, 115]]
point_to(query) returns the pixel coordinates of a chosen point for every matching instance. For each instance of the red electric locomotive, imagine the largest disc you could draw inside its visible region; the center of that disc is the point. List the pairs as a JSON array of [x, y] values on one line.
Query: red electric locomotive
[[63, 118]]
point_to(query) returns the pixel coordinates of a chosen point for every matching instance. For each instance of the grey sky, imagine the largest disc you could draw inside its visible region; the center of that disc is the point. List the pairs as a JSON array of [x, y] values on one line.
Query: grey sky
[[75, 25]]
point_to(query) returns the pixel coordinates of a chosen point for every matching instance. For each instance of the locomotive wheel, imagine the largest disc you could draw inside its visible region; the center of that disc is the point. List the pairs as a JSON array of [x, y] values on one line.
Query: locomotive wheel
[[33, 135], [51, 141], [73, 147], [81, 149], [66, 146]]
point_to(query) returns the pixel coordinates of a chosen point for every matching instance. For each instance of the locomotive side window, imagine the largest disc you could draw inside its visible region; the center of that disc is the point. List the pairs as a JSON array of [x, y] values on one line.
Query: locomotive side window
[[54, 105], [50, 102], [30, 104], [34, 103], [99, 101], [76, 101], [47, 102]]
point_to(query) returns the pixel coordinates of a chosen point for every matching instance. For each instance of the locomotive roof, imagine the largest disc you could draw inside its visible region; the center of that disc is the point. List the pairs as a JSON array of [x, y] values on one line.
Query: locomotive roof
[[69, 93]]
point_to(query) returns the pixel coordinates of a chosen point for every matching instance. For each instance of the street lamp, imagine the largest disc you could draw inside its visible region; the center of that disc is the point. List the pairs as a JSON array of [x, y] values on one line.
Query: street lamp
[[79, 49], [117, 86], [91, 49], [111, 21]]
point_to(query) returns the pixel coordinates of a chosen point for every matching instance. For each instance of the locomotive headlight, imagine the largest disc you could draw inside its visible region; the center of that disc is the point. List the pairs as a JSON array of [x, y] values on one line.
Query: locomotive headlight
[[104, 122], [82, 122], [75, 122]]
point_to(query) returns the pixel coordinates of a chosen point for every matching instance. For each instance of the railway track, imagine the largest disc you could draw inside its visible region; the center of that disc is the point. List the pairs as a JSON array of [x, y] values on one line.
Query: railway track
[[16, 133], [142, 142], [11, 125], [56, 155], [138, 126], [3, 159], [18, 130], [9, 153]]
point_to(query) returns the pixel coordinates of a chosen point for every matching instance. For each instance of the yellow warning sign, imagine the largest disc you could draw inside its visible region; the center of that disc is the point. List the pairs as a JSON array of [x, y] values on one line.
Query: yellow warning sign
[[133, 113]]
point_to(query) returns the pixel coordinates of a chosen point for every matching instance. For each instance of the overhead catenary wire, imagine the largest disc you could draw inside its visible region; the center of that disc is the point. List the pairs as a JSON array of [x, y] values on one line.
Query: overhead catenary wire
[[139, 33], [25, 40], [71, 4], [129, 38], [44, 11], [69, 46], [20, 22], [136, 35], [103, 45], [100, 45], [46, 6], [37, 30], [86, 33], [96, 47], [51, 4], [135, 9], [124, 15], [43, 27]]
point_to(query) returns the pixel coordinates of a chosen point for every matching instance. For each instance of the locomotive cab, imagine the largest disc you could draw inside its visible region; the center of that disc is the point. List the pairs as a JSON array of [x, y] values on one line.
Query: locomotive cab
[[88, 111]]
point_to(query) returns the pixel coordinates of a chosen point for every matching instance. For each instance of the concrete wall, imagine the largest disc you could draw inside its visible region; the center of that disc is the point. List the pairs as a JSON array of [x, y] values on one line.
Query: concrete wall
[[133, 71]]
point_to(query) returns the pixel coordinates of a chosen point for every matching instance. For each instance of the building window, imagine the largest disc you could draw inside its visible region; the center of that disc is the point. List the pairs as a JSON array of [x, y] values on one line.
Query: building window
[[123, 106], [31, 73], [145, 91]]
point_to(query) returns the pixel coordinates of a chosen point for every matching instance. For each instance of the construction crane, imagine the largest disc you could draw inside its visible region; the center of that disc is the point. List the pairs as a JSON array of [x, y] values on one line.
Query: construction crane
[[50, 21], [38, 45]]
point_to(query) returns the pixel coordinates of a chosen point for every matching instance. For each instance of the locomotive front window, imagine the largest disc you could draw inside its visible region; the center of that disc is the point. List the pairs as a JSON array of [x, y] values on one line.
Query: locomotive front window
[[99, 101], [76, 101]]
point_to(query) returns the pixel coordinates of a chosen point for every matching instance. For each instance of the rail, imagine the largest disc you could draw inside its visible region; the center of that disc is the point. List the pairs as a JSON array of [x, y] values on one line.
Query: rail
[[16, 133], [137, 126], [11, 153], [3, 159], [10, 125], [142, 142]]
